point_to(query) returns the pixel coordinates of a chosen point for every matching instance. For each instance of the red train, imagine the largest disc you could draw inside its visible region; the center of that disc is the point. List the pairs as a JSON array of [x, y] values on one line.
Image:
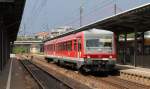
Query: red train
[[92, 50]]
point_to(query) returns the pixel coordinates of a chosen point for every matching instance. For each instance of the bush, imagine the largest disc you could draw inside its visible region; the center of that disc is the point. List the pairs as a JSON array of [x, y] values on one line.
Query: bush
[[17, 50]]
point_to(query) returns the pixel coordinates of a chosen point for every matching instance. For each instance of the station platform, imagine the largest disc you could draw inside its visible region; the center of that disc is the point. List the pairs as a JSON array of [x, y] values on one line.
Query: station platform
[[135, 74], [14, 76]]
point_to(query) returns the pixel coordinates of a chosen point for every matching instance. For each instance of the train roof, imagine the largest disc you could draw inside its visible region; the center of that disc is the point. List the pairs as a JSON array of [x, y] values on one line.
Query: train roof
[[98, 31], [91, 31]]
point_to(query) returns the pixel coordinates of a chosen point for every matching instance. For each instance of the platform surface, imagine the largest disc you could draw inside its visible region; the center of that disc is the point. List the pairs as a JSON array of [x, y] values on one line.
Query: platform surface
[[134, 70], [14, 76]]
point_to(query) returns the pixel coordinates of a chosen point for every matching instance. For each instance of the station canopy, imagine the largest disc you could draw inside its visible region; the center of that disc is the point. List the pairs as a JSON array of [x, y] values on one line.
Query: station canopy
[[10, 17], [134, 19], [128, 21]]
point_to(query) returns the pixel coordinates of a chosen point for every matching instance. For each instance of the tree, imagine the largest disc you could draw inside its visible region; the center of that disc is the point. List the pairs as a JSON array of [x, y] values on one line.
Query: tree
[[17, 50]]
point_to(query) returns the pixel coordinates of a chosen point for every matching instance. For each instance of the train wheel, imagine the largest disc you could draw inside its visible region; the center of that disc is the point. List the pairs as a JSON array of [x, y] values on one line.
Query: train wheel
[[83, 70], [47, 60], [58, 63]]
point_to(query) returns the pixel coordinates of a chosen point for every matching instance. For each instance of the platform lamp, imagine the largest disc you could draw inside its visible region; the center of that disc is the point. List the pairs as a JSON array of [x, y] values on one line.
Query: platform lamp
[[115, 7], [81, 12]]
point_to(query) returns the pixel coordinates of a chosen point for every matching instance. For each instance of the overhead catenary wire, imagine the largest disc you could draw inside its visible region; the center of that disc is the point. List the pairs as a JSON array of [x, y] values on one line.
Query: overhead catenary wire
[[38, 10], [35, 12], [97, 9], [77, 19], [104, 6], [105, 3], [99, 14]]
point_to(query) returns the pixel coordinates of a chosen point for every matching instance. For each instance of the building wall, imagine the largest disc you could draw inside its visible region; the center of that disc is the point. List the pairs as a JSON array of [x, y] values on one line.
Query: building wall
[[35, 48]]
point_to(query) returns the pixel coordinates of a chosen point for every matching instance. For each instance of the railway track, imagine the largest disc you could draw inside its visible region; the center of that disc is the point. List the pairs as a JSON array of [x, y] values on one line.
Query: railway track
[[113, 82], [116, 82], [45, 80]]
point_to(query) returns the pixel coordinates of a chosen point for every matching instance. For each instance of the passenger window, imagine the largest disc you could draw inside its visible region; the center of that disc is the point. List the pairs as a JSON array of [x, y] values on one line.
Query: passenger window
[[69, 46], [79, 45]]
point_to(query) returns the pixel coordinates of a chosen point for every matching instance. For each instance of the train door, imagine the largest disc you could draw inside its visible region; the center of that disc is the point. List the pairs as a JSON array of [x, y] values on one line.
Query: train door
[[75, 48], [79, 47]]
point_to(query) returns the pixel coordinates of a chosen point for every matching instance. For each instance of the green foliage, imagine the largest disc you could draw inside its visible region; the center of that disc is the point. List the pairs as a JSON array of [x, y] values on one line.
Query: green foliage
[[17, 50]]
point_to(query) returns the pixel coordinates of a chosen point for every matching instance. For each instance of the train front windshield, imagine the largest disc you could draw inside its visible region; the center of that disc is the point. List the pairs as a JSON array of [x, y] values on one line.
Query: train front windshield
[[102, 44]]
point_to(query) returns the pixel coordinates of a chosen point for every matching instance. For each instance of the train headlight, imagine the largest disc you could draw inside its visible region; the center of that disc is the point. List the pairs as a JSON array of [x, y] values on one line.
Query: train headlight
[[99, 49], [88, 57], [110, 56]]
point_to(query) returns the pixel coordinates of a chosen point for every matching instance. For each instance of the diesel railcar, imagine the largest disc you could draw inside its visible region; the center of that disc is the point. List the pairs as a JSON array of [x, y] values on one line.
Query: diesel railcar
[[92, 50]]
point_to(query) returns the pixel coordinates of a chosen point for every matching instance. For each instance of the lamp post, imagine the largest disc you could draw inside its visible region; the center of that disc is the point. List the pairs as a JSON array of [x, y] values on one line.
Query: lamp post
[[81, 13], [115, 7]]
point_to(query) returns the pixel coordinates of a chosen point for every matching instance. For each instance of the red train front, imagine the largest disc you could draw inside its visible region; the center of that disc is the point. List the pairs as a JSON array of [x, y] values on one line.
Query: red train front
[[92, 50]]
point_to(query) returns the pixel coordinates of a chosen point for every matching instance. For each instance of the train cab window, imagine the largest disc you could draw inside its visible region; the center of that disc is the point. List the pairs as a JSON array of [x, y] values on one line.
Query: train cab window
[[108, 44], [93, 43]]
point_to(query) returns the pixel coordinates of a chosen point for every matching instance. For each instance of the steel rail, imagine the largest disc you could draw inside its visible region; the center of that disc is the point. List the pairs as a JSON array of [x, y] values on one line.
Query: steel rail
[[43, 81]]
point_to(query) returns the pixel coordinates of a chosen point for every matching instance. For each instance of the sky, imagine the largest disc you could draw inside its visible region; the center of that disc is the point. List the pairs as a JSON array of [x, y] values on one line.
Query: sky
[[44, 15]]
